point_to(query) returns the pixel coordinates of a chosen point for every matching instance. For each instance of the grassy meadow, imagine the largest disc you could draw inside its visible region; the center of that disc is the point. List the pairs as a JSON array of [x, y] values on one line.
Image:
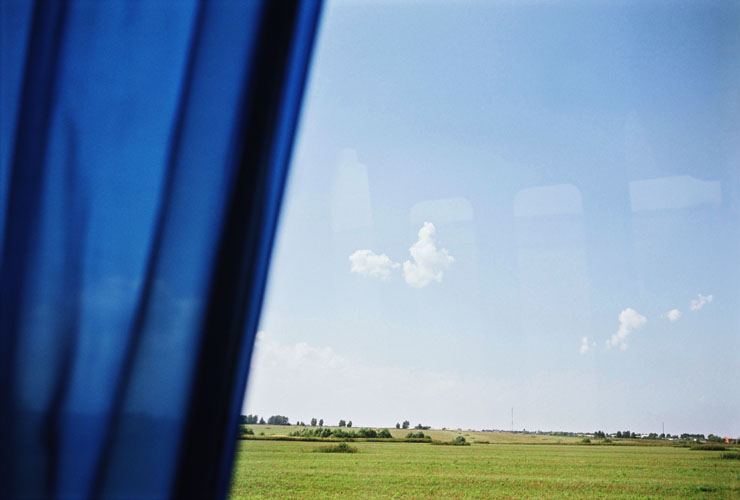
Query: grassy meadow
[[510, 466]]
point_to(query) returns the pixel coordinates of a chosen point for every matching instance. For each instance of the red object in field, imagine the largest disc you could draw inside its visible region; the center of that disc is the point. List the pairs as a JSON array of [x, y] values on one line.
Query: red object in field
[[727, 440]]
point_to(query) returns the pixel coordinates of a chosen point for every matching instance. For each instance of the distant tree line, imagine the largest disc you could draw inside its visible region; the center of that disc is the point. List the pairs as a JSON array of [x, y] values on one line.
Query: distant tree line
[[278, 420], [283, 420], [654, 435], [256, 419], [250, 420], [325, 432], [626, 434]]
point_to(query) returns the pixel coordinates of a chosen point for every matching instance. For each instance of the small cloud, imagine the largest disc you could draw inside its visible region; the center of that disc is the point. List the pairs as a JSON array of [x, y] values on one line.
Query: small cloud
[[703, 300], [629, 321], [428, 262], [586, 346], [369, 264], [673, 315]]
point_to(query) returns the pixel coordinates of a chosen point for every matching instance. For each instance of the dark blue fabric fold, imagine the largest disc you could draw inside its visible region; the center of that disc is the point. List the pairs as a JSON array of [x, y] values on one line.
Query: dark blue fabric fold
[[143, 153]]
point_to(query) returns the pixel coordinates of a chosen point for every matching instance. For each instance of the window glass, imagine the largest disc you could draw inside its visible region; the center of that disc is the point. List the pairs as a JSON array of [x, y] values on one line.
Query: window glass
[[512, 207]]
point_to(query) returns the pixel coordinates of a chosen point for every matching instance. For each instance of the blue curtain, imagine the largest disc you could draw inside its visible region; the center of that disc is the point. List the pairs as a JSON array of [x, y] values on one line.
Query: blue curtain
[[143, 151]]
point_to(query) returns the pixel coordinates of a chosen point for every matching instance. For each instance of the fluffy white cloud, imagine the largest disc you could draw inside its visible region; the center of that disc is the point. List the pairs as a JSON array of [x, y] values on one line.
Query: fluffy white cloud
[[586, 346], [428, 262], [369, 264], [673, 315], [629, 321], [703, 300]]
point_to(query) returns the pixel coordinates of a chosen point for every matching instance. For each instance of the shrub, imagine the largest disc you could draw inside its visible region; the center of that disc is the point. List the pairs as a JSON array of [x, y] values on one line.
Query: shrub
[[367, 433], [385, 434], [417, 435], [607, 440], [337, 448], [245, 431], [709, 447], [585, 441], [460, 439], [730, 456]]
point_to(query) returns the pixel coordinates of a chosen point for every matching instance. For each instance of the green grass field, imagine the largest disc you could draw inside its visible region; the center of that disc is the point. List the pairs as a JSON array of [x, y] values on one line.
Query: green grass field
[[510, 467]]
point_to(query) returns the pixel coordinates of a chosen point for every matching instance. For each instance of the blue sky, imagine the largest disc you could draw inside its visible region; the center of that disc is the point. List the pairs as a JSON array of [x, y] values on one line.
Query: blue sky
[[578, 166]]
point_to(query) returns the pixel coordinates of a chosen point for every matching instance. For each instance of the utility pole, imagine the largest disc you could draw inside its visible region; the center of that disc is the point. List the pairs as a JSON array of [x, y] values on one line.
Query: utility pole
[[663, 429]]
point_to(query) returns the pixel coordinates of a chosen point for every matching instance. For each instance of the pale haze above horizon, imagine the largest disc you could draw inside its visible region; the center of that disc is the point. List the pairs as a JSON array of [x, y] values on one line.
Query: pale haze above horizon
[[497, 205]]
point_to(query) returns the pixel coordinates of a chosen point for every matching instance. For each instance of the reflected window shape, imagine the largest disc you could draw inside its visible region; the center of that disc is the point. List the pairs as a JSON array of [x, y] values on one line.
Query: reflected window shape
[[669, 193], [350, 202]]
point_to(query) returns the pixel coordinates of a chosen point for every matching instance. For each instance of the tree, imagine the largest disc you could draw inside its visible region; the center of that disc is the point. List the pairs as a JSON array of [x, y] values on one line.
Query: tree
[[262, 421], [321, 422], [405, 424], [349, 424], [398, 426], [313, 422], [278, 420], [342, 423]]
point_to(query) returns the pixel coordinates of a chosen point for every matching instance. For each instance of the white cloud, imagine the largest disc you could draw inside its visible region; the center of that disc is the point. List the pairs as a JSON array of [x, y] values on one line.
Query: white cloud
[[629, 321], [369, 264], [586, 346], [703, 300], [673, 315], [428, 262]]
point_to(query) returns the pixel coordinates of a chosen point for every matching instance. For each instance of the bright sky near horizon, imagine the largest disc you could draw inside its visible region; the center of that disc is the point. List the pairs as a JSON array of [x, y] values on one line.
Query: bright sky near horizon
[[497, 205]]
